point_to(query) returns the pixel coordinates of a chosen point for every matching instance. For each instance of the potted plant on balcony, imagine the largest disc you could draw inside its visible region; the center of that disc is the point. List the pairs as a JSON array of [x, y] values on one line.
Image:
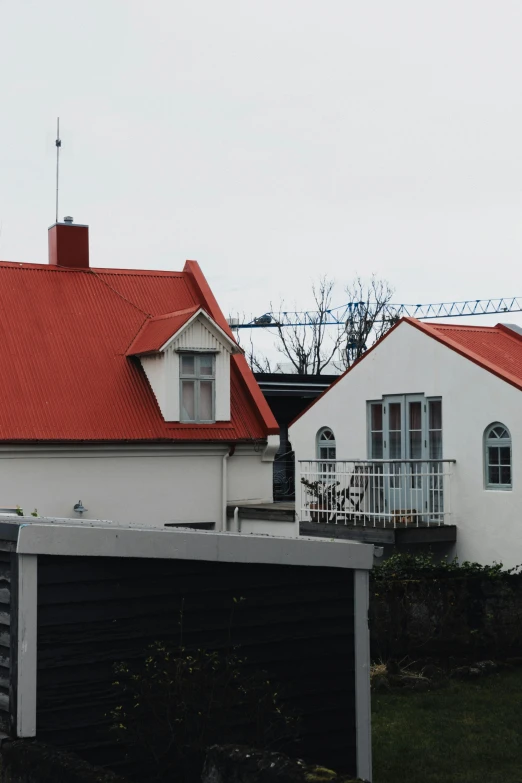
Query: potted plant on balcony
[[324, 499]]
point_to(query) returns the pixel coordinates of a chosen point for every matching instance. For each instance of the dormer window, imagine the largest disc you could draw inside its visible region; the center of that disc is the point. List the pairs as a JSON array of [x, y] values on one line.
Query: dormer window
[[186, 357], [197, 393]]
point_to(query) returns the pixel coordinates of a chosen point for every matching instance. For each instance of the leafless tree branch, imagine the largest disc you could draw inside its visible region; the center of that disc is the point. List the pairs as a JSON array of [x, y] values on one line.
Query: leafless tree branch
[[313, 344], [257, 361], [371, 317], [310, 346]]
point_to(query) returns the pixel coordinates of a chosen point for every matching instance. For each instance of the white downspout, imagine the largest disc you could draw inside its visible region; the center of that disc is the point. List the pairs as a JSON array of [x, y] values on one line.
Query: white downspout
[[221, 526], [237, 522]]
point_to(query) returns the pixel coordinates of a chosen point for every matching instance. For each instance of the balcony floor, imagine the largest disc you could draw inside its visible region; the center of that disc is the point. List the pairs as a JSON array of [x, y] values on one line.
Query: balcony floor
[[380, 535]]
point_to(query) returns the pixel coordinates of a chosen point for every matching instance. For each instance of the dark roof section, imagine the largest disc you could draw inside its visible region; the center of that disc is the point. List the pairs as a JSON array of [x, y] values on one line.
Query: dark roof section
[[290, 385]]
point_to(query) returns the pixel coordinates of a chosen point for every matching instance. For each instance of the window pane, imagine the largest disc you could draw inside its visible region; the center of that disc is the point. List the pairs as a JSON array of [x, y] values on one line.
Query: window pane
[[331, 453], [206, 393], [415, 416], [395, 471], [416, 474], [494, 475], [326, 435], [435, 407], [376, 445], [376, 417], [206, 365], [505, 455], [435, 445], [494, 455], [416, 445], [395, 445], [395, 416], [188, 365], [188, 401], [505, 475]]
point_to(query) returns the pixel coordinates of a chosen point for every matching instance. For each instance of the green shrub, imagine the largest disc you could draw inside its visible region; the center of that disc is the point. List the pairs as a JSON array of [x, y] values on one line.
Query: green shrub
[[424, 566]]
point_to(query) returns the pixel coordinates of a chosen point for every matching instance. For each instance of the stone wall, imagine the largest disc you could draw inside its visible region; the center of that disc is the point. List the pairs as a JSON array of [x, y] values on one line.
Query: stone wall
[[24, 761], [461, 617], [236, 764]]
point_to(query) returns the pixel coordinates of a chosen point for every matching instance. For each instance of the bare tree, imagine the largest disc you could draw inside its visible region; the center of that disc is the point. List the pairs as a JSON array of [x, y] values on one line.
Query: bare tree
[[370, 317], [257, 361], [311, 341], [310, 346]]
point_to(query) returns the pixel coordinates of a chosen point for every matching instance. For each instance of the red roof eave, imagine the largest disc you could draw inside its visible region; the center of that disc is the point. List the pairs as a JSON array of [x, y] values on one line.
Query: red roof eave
[[193, 270], [466, 352]]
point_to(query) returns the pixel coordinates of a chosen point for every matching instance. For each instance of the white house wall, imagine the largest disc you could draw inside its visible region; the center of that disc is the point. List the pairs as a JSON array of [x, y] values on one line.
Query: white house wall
[[139, 484], [489, 523], [250, 480], [154, 367]]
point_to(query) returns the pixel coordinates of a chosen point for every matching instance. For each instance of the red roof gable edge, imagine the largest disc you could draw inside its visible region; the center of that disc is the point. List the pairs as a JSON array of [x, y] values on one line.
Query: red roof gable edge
[[193, 271], [141, 345], [466, 352], [341, 376]]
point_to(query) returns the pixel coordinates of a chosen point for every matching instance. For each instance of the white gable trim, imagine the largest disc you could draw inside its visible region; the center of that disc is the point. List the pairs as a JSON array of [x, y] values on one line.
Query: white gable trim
[[212, 326], [199, 335]]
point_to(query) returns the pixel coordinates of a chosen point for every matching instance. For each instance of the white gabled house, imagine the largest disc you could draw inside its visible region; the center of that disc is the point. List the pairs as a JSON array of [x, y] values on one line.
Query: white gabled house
[[424, 431], [125, 389]]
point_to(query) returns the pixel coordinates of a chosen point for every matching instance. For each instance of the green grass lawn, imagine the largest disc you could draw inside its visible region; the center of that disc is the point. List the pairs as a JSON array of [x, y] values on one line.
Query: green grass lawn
[[468, 732]]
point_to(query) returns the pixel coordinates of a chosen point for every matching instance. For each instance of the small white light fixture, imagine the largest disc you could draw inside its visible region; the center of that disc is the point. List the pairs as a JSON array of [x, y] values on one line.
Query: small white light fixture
[[79, 507]]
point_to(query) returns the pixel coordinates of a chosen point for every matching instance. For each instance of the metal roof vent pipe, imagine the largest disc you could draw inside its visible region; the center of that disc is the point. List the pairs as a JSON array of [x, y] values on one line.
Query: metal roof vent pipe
[[69, 244]]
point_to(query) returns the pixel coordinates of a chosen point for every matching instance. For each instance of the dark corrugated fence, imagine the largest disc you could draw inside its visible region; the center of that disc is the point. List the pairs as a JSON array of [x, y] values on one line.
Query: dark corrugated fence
[[295, 622]]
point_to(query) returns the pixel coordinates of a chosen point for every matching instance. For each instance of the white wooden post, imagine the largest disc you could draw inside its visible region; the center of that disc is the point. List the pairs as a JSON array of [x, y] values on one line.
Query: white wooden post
[[26, 653], [362, 675]]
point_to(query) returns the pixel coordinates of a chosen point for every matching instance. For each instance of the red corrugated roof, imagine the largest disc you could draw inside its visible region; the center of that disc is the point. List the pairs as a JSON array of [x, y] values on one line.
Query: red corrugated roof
[[65, 375], [156, 331], [497, 349]]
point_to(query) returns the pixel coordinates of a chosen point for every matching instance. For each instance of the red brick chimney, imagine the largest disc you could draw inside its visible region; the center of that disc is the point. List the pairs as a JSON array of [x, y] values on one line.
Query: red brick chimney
[[69, 245]]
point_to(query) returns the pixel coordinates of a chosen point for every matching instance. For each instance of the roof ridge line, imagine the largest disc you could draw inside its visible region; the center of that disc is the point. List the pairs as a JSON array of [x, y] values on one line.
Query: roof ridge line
[[185, 310], [144, 312], [507, 330]]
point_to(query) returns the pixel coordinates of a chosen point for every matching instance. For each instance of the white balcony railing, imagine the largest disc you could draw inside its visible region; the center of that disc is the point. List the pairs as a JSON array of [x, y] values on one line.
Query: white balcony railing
[[377, 493]]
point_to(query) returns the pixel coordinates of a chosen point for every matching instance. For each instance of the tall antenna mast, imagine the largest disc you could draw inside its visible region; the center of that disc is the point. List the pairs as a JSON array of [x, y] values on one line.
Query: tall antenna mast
[[58, 145]]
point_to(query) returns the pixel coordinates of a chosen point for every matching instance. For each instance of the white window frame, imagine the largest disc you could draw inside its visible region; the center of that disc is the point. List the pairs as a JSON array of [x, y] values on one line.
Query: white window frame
[[197, 378], [329, 444], [499, 443], [404, 399], [369, 430]]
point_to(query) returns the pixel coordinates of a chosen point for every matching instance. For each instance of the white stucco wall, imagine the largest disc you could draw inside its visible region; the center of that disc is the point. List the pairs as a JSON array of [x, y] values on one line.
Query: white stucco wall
[[250, 479], [489, 522], [264, 527], [140, 484]]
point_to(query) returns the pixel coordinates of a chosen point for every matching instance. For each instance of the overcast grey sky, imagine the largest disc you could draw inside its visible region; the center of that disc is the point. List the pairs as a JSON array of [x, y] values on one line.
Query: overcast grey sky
[[272, 140]]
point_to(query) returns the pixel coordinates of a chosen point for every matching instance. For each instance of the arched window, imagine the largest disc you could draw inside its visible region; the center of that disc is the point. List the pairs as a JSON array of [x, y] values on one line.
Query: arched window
[[325, 442], [497, 457]]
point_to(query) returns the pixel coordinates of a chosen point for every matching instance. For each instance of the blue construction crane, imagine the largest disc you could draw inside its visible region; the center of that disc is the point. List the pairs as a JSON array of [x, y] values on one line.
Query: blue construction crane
[[340, 316]]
